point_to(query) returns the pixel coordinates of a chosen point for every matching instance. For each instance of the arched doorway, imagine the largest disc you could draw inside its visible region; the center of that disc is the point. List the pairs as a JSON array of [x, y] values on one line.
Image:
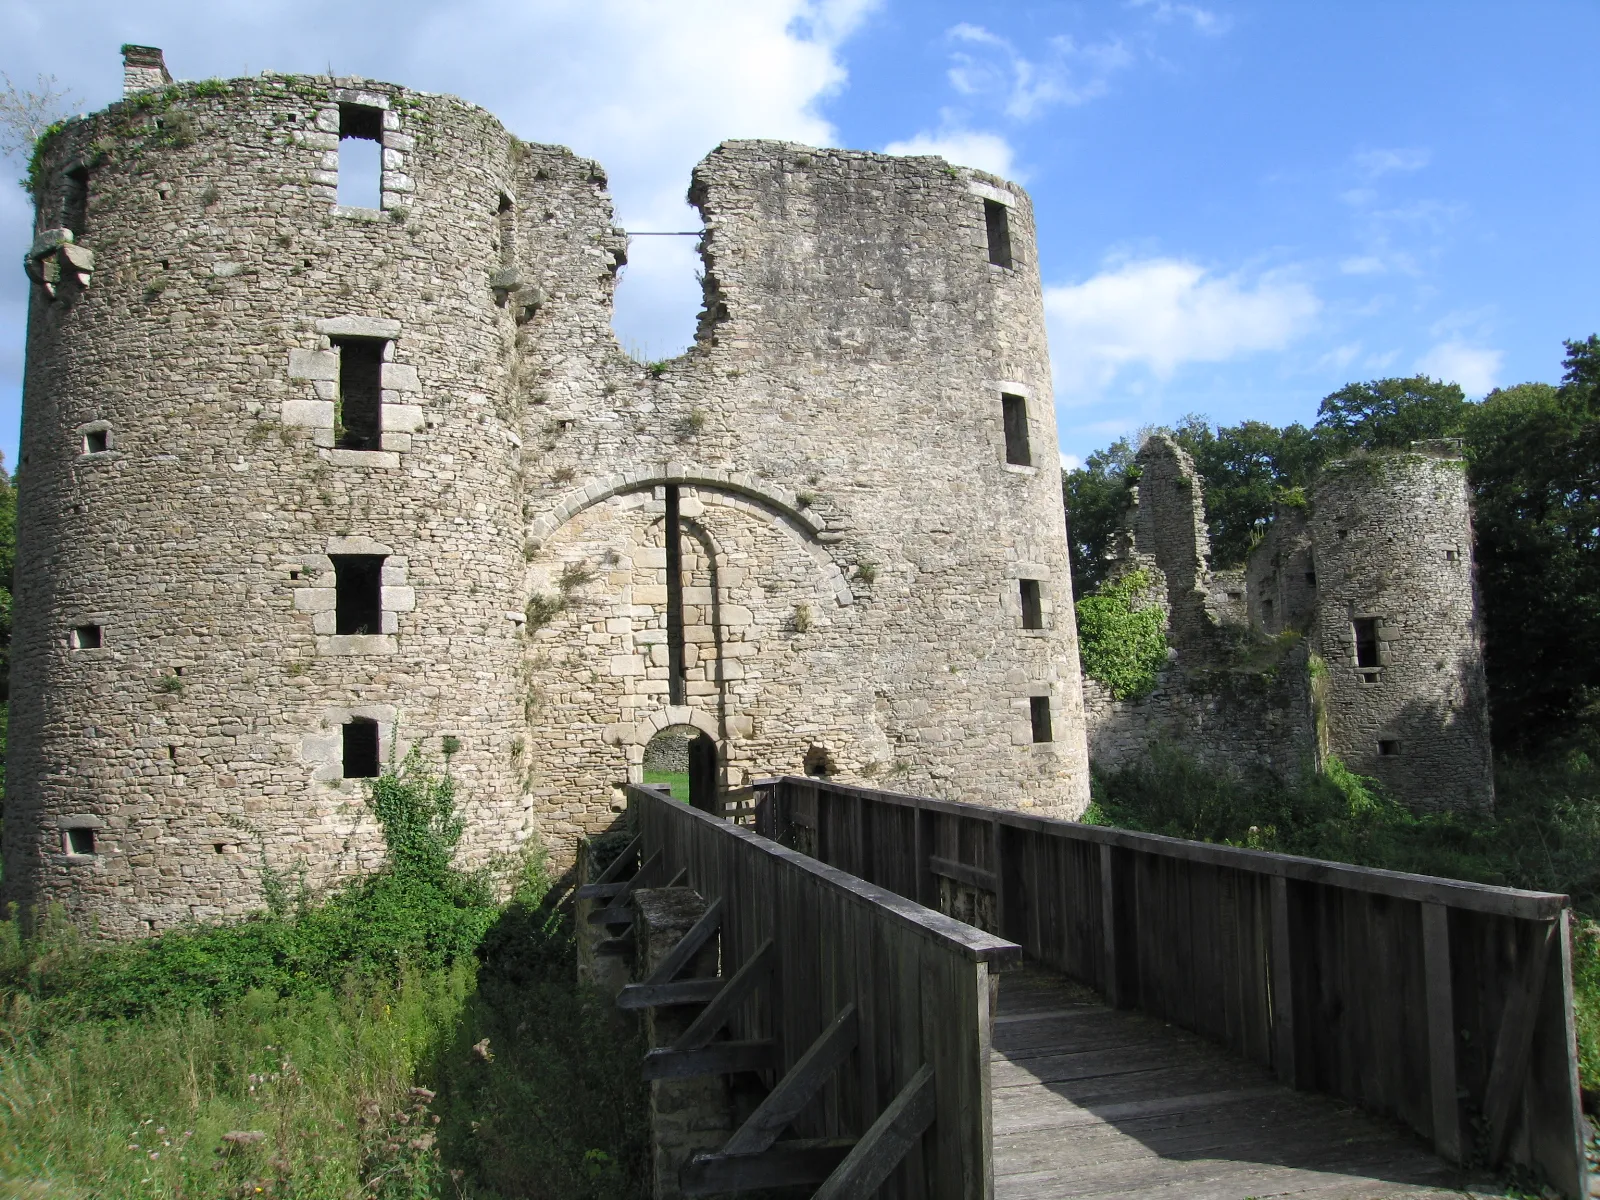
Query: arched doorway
[[684, 760]]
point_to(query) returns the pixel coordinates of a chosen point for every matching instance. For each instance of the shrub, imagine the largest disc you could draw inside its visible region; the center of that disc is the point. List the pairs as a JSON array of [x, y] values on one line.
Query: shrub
[[1122, 646]]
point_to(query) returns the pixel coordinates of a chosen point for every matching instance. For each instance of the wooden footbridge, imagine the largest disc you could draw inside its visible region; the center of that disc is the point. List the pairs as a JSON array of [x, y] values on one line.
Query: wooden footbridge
[[1116, 1014]]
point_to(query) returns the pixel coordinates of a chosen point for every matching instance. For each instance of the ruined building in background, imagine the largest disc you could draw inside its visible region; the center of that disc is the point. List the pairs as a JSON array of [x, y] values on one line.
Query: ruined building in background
[[1352, 631], [303, 484]]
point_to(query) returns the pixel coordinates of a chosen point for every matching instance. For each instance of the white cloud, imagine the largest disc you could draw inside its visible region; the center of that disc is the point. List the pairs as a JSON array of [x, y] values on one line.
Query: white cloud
[[1475, 368], [988, 67], [1363, 264], [1070, 462], [986, 151], [1203, 19], [1162, 313], [1381, 162]]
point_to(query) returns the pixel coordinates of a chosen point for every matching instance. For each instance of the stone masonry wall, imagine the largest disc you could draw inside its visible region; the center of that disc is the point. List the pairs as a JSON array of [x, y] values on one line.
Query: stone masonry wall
[[1393, 537], [853, 533]]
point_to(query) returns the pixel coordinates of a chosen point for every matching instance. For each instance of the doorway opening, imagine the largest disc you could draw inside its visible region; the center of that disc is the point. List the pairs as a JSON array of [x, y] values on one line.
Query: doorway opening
[[683, 760]]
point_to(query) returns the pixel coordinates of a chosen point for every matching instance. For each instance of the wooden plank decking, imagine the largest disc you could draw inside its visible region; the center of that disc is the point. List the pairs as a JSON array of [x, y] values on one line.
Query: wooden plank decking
[[1091, 1101]]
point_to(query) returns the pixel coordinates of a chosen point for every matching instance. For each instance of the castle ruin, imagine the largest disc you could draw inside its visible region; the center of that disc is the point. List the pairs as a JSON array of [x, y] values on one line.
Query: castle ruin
[[302, 485], [1352, 631]]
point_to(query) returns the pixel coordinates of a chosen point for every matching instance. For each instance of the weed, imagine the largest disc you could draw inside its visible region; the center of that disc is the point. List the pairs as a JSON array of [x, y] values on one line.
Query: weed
[[212, 87], [573, 576], [658, 368], [690, 424], [169, 685], [805, 499], [295, 669], [801, 620], [563, 475], [449, 746], [210, 196], [867, 572], [153, 289], [261, 431], [541, 610]]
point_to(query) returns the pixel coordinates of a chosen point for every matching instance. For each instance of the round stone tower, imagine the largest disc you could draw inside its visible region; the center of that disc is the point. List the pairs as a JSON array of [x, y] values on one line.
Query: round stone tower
[[259, 426], [1397, 623], [309, 476]]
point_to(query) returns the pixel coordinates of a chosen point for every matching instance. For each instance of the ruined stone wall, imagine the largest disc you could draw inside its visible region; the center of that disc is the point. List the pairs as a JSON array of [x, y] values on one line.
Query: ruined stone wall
[[1385, 539], [854, 535], [1393, 538]]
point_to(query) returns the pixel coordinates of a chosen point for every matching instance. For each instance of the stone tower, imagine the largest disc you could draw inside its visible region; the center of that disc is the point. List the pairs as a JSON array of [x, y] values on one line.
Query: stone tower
[[1397, 623], [303, 484]]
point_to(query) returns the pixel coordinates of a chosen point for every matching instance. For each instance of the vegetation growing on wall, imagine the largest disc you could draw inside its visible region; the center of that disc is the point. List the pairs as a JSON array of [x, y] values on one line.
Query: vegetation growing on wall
[[1123, 643]]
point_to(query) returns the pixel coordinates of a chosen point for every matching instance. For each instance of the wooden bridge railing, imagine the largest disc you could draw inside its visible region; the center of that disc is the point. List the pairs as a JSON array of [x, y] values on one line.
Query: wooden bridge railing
[[1447, 1005], [874, 1007]]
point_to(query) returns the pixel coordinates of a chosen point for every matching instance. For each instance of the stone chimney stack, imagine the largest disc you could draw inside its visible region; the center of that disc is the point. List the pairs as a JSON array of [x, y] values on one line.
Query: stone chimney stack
[[144, 69]]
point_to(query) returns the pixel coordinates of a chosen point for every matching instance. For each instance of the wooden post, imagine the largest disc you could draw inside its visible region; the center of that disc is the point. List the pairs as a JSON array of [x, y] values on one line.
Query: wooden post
[[1282, 985], [995, 832], [1108, 911], [1441, 1031]]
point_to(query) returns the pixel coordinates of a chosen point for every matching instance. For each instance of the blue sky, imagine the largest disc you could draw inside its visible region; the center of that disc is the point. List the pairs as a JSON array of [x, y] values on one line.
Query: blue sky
[[1242, 206]]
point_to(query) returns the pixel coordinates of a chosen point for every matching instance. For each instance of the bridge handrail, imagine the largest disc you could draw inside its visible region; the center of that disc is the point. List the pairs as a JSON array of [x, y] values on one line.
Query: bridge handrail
[[921, 983], [1445, 1004]]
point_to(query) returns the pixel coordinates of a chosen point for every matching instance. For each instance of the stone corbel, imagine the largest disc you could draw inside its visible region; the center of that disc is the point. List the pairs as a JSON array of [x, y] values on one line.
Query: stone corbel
[[509, 288], [55, 259]]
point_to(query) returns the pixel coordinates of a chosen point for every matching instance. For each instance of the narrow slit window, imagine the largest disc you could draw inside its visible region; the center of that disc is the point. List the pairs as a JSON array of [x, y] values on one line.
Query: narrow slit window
[[1366, 629], [1032, 604], [997, 218], [358, 587], [1266, 610], [75, 201], [1039, 713], [86, 637], [360, 156], [1014, 410], [1311, 579], [96, 441], [361, 749], [507, 221], [359, 421], [1452, 555], [79, 840]]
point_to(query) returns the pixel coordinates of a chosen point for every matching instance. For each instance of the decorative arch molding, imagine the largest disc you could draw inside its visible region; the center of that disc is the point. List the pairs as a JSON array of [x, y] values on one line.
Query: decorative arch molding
[[781, 507], [779, 499]]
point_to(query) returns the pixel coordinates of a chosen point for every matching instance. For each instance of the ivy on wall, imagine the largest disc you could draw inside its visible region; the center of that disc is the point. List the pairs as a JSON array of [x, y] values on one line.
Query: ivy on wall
[[1122, 646]]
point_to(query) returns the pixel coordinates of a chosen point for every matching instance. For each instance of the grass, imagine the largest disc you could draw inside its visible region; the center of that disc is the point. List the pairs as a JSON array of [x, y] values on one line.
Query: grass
[[1543, 835], [678, 781], [406, 1038]]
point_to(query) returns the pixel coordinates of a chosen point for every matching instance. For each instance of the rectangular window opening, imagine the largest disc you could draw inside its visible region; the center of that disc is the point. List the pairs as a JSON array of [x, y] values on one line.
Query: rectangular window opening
[[358, 424], [1266, 610], [79, 841], [1032, 604], [1452, 555], [96, 441], [361, 749], [360, 156], [86, 637], [1039, 712], [75, 201], [1014, 409], [997, 219], [358, 587], [1366, 629], [1387, 747]]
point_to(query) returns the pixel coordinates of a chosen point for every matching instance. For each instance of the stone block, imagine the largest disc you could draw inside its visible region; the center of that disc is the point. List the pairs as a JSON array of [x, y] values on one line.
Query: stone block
[[357, 544], [627, 664], [313, 364], [324, 621], [399, 599], [369, 327], [315, 600], [307, 414], [348, 644], [398, 377], [649, 593], [375, 459], [399, 443], [403, 418]]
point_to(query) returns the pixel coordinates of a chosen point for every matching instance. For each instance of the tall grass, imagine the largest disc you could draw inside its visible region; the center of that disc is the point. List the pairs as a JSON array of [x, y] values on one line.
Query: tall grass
[[405, 1038]]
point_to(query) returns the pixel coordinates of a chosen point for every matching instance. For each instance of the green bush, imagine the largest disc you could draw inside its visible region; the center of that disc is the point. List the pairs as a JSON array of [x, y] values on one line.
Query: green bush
[[1121, 646]]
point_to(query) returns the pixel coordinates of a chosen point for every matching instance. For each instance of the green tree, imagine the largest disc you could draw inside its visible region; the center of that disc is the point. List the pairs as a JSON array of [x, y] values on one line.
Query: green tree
[[1389, 414], [1096, 497], [1245, 469], [1534, 454]]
